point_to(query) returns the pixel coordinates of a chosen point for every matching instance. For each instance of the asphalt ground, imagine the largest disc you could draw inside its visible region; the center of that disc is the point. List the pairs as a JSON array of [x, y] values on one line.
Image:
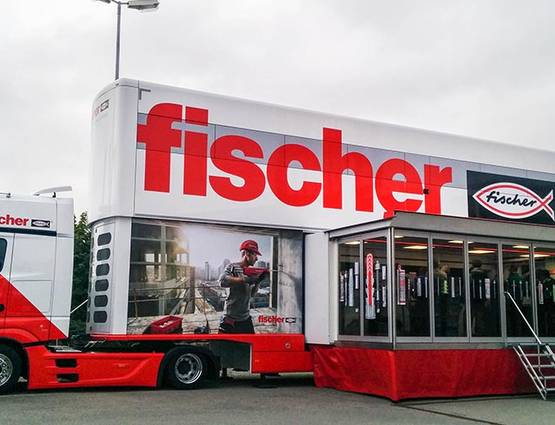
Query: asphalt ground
[[243, 400]]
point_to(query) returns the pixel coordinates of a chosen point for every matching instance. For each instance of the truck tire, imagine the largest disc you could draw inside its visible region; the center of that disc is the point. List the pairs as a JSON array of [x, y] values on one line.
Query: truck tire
[[10, 369], [186, 369]]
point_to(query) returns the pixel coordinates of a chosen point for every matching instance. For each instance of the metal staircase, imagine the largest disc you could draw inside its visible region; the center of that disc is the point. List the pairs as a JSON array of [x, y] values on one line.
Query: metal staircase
[[537, 358]]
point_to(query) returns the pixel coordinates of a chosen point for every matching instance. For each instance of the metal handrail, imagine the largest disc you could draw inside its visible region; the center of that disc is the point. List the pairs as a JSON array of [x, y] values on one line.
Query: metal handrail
[[79, 306], [538, 340], [538, 378]]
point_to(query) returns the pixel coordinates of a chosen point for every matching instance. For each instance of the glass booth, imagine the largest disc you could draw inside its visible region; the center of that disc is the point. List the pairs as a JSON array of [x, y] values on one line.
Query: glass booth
[[416, 280]]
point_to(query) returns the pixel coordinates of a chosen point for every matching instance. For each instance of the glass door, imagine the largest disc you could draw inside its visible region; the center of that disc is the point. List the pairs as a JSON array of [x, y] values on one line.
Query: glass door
[[544, 265], [449, 286], [484, 289], [363, 289], [349, 287], [517, 282], [412, 287], [375, 271]]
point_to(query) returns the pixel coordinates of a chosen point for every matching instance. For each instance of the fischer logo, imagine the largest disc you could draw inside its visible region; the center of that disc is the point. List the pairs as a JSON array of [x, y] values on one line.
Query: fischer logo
[[398, 185], [40, 223], [511, 200], [276, 319], [101, 108], [13, 221]]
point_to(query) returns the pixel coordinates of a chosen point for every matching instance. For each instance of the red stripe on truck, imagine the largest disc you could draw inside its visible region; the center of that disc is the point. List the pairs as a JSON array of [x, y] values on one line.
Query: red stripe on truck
[[21, 319]]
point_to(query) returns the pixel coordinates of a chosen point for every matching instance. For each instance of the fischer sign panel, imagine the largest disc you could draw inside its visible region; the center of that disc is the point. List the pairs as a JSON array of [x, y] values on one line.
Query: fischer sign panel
[[186, 165], [511, 198], [165, 152]]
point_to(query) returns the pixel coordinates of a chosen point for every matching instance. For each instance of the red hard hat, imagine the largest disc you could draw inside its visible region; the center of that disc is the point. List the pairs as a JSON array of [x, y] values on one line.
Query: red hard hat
[[250, 245]]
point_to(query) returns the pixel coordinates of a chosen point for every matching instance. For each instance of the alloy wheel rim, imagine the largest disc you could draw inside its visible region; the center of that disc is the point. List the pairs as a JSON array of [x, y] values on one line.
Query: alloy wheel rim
[[6, 369], [188, 368]]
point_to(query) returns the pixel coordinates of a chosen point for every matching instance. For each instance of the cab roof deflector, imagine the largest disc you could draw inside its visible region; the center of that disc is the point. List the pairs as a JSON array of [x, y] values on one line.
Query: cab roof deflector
[[53, 190]]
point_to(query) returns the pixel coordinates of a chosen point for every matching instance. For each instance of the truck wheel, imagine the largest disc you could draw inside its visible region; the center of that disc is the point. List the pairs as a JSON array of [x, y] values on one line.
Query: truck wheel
[[186, 370], [10, 369]]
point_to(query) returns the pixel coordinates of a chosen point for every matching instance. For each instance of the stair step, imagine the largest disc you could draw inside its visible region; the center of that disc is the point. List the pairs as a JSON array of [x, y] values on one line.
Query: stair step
[[536, 358], [548, 378], [544, 359]]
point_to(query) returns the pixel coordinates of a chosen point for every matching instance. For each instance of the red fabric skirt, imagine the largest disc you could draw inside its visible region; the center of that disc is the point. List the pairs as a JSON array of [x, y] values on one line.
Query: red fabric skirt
[[406, 374]]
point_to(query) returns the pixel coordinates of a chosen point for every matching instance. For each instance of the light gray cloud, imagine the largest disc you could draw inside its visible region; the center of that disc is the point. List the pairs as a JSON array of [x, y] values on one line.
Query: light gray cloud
[[478, 68]]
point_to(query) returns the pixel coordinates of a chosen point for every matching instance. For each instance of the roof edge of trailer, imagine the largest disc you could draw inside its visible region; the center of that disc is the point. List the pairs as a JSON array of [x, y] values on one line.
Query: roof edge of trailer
[[121, 82], [461, 137], [455, 225]]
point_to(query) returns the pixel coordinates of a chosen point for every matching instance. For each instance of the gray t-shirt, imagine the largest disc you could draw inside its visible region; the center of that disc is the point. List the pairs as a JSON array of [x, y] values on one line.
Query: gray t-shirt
[[238, 301]]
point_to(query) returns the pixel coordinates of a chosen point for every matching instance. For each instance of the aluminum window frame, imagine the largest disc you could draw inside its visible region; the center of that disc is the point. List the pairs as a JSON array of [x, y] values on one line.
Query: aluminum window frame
[[385, 232], [500, 289], [517, 339], [414, 339], [452, 236], [533, 245], [340, 336], [389, 230]]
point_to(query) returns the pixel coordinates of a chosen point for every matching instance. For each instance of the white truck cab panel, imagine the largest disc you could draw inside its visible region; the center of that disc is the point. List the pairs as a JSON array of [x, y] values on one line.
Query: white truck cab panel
[[33, 269], [37, 265]]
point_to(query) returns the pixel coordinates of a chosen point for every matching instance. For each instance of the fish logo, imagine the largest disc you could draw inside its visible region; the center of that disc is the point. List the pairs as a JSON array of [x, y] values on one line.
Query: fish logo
[[40, 223], [514, 201]]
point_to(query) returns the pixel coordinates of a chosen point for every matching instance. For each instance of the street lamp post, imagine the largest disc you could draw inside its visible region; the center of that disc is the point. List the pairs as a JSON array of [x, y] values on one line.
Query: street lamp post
[[140, 5], [118, 32]]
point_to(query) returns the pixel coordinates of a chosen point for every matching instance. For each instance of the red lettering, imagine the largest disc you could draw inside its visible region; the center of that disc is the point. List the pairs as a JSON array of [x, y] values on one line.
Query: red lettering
[[196, 116], [386, 186], [13, 221], [393, 179], [270, 319], [194, 161], [221, 153], [277, 171], [434, 179], [159, 138], [335, 162]]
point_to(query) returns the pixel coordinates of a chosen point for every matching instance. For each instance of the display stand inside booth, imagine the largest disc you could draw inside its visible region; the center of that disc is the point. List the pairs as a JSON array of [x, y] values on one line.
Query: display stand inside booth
[[421, 309]]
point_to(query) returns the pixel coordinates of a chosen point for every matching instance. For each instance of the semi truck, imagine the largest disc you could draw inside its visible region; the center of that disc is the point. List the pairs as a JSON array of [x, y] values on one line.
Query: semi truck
[[349, 216], [36, 259]]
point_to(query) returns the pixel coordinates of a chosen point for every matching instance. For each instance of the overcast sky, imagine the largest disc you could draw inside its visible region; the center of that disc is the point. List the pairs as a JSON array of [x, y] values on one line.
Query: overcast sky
[[478, 68]]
